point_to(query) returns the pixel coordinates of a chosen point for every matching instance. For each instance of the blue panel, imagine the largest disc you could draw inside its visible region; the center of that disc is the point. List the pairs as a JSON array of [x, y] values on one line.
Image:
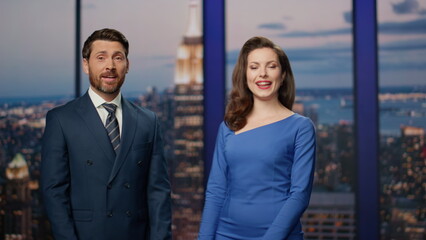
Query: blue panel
[[77, 91], [366, 117], [214, 74]]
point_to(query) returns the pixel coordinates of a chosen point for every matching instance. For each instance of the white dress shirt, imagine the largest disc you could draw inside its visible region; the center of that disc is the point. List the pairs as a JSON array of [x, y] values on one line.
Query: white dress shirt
[[103, 113]]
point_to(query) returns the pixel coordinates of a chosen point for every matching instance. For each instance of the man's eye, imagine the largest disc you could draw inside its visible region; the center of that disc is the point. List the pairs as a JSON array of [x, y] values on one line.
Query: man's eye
[[100, 58], [119, 58]]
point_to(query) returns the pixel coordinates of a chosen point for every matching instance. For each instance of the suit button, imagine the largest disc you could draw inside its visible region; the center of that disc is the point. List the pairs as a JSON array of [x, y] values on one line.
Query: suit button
[[140, 163], [109, 213], [128, 213], [109, 186], [127, 185], [89, 162]]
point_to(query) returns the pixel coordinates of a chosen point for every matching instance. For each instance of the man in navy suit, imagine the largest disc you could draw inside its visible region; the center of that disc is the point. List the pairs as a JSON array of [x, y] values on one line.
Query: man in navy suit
[[104, 175]]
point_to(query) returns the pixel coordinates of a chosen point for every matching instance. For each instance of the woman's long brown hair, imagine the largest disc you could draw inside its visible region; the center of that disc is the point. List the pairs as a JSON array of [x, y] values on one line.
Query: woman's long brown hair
[[240, 101]]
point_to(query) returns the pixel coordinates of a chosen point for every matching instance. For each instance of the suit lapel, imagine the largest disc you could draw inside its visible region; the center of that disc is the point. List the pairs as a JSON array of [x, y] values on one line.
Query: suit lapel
[[91, 117], [129, 127]]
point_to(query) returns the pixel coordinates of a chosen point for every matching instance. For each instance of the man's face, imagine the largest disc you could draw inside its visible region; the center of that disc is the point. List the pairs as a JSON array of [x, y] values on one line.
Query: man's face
[[107, 67]]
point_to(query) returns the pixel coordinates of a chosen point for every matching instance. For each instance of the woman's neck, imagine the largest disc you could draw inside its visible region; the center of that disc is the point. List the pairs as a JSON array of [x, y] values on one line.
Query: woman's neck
[[267, 108]]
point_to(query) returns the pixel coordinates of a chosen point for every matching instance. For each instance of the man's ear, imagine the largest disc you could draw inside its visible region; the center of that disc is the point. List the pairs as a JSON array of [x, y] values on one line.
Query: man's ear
[[86, 65], [128, 65]]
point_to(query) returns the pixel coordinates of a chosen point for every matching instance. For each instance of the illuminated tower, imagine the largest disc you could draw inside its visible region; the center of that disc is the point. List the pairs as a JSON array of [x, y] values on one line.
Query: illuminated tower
[[189, 64], [18, 200], [187, 164]]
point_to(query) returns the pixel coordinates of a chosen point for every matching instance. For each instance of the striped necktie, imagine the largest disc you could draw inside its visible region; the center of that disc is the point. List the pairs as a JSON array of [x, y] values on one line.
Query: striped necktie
[[111, 126]]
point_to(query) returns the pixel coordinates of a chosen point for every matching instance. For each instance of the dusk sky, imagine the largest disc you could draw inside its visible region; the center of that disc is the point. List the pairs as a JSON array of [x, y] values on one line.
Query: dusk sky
[[317, 37], [38, 40]]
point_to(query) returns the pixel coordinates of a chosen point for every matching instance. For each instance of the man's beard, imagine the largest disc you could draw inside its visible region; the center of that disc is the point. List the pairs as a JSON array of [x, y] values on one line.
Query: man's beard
[[107, 90]]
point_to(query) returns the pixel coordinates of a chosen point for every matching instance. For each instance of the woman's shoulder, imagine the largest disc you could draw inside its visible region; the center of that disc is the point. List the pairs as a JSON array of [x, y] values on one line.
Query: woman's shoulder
[[302, 121], [223, 127]]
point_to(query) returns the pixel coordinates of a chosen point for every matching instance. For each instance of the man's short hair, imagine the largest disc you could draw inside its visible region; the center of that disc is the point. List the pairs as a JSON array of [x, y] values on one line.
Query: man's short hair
[[106, 34]]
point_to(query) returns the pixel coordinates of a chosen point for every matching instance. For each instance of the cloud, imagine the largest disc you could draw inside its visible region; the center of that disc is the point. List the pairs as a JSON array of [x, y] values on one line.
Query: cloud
[[160, 57], [169, 65], [407, 6], [403, 55], [273, 26], [347, 16], [338, 59], [412, 27], [333, 32], [89, 6], [411, 45], [314, 60], [401, 66]]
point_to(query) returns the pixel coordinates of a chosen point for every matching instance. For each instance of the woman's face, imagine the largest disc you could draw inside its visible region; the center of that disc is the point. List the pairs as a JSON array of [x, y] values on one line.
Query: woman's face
[[264, 74]]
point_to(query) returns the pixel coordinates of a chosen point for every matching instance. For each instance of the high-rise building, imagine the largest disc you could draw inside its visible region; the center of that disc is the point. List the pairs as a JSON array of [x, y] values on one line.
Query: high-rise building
[[403, 193], [330, 216], [17, 212], [187, 163], [409, 212]]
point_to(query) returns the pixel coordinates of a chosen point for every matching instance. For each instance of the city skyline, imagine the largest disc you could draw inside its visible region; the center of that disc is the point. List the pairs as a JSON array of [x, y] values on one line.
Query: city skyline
[[22, 128]]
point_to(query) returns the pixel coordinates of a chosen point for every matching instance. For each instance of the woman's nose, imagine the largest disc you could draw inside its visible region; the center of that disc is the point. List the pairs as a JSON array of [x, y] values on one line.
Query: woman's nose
[[263, 72]]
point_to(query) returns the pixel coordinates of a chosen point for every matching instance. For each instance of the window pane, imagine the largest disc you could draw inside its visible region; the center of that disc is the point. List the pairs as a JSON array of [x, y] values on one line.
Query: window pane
[[317, 37], [402, 99], [37, 67], [166, 76]]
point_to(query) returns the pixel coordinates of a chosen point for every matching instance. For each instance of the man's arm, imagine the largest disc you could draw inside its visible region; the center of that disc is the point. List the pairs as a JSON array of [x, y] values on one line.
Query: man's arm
[[55, 179], [159, 202]]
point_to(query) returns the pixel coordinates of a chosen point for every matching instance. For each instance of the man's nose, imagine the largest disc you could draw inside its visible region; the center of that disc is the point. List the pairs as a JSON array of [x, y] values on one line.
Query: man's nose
[[110, 64]]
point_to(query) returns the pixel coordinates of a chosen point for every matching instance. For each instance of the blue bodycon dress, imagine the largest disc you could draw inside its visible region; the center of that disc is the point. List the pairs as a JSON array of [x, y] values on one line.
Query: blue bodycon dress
[[260, 182]]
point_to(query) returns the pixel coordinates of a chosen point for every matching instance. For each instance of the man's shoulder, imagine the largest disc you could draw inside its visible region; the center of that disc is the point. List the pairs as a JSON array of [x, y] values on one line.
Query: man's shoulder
[[66, 107]]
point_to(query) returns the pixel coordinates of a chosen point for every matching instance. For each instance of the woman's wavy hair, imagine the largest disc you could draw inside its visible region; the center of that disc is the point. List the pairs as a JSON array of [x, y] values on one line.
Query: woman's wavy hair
[[240, 102]]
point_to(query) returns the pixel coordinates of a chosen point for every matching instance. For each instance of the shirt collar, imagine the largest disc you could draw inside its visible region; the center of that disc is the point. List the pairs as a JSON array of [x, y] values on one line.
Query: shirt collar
[[98, 100]]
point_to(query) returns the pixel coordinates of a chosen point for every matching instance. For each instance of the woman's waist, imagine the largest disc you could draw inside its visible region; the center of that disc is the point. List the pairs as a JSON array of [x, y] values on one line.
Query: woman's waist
[[258, 194]]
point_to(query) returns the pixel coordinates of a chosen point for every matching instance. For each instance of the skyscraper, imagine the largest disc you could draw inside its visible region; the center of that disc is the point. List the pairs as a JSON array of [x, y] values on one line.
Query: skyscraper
[[331, 215], [18, 200], [187, 163]]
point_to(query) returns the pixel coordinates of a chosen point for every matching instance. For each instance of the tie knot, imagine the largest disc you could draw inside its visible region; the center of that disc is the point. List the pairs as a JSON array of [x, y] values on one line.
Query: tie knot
[[110, 107]]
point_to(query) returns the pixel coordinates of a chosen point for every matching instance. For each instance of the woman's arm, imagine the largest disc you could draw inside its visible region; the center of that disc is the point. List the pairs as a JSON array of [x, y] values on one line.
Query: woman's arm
[[216, 190], [302, 175]]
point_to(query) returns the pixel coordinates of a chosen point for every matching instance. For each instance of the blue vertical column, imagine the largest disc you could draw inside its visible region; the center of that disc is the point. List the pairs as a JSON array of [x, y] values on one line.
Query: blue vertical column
[[366, 118], [214, 74], [77, 62]]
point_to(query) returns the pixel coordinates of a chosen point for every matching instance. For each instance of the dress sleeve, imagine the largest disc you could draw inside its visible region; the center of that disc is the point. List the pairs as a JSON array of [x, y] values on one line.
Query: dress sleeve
[[216, 190], [302, 174]]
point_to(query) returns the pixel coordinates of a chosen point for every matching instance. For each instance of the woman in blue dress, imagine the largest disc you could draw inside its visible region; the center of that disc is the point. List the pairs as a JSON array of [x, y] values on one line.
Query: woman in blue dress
[[263, 165]]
